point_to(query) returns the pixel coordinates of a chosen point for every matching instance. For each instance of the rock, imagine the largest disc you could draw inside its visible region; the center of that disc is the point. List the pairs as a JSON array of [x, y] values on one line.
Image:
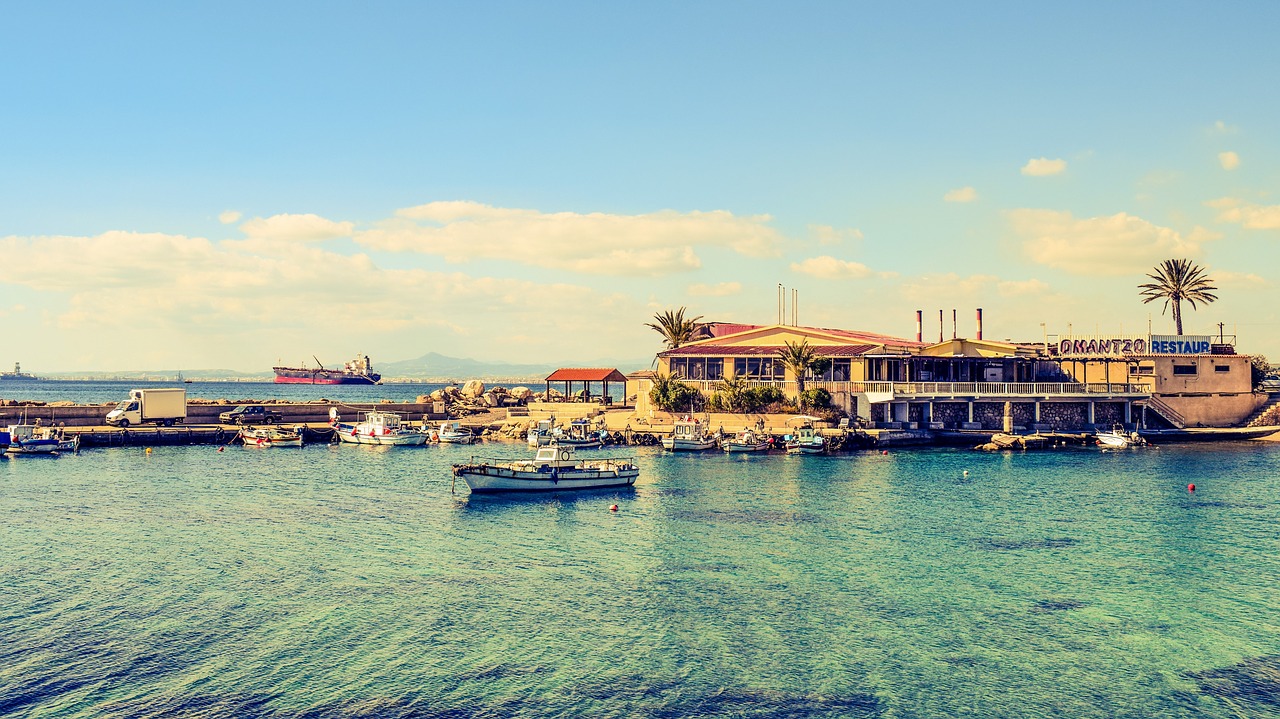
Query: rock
[[473, 388], [521, 394], [423, 399], [437, 396]]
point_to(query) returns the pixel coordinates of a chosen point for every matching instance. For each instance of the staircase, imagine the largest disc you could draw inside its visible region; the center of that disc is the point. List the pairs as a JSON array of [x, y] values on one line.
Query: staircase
[[1169, 414], [1267, 414]]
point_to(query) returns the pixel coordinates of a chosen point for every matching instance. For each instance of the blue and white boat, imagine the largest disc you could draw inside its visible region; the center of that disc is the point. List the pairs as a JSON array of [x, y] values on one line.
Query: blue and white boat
[[580, 435], [553, 469], [805, 439], [33, 439], [385, 428]]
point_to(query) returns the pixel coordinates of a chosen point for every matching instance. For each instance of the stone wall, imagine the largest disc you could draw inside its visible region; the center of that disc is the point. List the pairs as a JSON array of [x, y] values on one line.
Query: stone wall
[[1065, 415], [951, 414]]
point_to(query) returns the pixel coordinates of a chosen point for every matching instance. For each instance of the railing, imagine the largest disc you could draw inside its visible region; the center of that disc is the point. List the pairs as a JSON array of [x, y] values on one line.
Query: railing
[[949, 389], [1163, 409]]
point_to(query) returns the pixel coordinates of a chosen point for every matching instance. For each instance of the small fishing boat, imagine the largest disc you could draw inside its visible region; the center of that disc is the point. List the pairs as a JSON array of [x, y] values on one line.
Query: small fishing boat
[[805, 439], [746, 441], [270, 437], [542, 434], [689, 435], [1117, 437], [553, 468], [451, 432], [580, 435], [385, 428], [33, 439]]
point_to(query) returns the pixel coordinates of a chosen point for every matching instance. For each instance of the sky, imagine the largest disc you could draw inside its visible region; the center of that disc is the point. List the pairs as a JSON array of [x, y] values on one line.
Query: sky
[[235, 185]]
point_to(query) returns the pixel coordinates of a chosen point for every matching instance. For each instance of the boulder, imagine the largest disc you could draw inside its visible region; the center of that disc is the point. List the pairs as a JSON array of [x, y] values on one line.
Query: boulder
[[473, 388], [437, 396], [521, 393]]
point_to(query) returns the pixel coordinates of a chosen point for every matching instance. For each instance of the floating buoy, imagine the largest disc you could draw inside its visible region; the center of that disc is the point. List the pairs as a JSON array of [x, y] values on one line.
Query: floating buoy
[[1191, 487], [966, 473], [221, 448], [613, 507], [884, 451], [148, 450]]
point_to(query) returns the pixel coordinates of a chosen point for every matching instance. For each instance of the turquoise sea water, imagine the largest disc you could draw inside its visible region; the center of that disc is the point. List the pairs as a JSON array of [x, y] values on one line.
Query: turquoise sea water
[[348, 581]]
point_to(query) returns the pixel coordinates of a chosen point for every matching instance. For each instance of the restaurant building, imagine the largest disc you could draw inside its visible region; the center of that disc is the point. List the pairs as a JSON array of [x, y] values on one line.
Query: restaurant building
[[1071, 383]]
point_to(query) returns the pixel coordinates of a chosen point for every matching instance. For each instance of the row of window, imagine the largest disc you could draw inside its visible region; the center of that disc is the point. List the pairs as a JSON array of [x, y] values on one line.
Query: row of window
[[755, 368]]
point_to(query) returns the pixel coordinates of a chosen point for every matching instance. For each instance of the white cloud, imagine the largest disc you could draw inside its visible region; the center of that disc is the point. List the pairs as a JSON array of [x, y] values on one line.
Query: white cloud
[[228, 217], [1229, 160], [652, 244], [722, 289], [1246, 214], [828, 235], [961, 194], [1043, 167], [1241, 280], [227, 304], [1223, 128], [1115, 245], [829, 268], [296, 228]]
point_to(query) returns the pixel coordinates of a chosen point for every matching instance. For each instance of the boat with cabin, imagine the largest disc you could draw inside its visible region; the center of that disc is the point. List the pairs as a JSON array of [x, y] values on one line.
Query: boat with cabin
[[689, 435], [542, 433], [451, 432], [581, 435], [270, 437], [34, 439], [384, 428], [748, 440], [554, 468], [805, 439]]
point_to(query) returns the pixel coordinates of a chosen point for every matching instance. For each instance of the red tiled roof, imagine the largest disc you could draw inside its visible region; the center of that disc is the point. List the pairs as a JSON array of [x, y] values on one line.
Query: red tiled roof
[[761, 350], [590, 374]]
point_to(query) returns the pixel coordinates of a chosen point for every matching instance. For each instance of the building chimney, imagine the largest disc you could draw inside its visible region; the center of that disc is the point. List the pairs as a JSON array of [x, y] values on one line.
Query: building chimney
[[954, 326], [939, 325], [919, 325], [979, 323]]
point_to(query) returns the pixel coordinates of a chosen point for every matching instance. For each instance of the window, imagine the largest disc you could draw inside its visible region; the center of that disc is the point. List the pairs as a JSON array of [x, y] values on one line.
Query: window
[[715, 369], [1222, 368], [1184, 369], [837, 371], [1142, 368], [758, 368]]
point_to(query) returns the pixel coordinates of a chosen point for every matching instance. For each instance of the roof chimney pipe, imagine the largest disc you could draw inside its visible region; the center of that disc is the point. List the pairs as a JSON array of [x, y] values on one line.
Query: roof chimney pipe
[[919, 325], [954, 326], [979, 323]]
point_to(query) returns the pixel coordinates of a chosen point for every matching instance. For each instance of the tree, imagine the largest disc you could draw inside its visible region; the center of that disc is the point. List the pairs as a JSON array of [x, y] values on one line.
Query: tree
[[673, 327], [800, 358], [1177, 281], [672, 395]]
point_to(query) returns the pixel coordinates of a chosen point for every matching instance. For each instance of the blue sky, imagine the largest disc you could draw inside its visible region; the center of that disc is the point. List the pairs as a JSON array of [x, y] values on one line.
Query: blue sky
[[228, 185]]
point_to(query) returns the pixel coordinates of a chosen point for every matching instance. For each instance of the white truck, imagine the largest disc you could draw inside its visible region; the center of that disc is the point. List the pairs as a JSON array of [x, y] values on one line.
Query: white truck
[[157, 406]]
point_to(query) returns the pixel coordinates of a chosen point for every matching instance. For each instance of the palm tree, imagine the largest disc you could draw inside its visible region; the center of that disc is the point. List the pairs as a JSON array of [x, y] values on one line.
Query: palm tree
[[673, 327], [800, 359], [1176, 281]]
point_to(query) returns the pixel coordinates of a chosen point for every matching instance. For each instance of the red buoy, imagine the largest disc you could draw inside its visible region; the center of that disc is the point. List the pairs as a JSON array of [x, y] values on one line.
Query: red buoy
[[613, 507], [884, 451], [1191, 487]]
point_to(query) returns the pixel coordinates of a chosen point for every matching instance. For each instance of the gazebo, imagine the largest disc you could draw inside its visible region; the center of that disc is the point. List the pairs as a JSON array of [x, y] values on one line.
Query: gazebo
[[570, 375]]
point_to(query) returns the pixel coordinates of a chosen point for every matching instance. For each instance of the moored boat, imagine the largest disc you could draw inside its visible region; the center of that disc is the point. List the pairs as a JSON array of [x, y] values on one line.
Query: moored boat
[[451, 432], [580, 435], [746, 441], [689, 435], [34, 439], [385, 428], [270, 437], [553, 468], [805, 439], [542, 434], [1118, 438]]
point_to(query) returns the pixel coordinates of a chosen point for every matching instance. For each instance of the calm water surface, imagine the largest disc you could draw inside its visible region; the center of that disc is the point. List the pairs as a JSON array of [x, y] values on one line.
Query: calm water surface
[[349, 582]]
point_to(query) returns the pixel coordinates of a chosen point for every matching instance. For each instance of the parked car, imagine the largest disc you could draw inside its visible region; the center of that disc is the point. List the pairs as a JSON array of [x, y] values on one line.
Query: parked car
[[250, 414]]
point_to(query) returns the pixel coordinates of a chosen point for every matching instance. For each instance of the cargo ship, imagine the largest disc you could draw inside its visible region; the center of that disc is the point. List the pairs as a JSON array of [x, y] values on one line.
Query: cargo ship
[[17, 373], [357, 371]]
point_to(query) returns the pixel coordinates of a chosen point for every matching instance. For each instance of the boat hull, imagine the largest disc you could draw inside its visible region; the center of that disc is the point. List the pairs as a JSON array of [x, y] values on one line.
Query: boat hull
[[687, 445], [292, 375], [740, 447], [806, 448], [407, 438], [490, 480]]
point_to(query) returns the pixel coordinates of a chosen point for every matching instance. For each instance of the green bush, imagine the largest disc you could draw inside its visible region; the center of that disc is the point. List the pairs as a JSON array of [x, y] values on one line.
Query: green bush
[[818, 398]]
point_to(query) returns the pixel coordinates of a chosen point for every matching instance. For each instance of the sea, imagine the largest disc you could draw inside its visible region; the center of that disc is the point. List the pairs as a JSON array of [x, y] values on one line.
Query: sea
[[104, 391], [359, 581]]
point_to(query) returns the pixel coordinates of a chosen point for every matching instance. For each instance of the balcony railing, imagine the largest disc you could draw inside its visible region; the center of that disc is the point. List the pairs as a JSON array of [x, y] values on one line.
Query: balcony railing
[[909, 390]]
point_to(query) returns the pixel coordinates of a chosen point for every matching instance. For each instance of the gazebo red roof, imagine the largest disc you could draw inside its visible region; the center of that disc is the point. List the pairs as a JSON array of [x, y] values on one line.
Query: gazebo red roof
[[589, 374]]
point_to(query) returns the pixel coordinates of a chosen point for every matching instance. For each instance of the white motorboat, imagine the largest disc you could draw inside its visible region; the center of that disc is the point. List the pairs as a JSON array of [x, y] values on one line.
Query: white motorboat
[[805, 439], [270, 437], [746, 441], [1117, 437], [385, 428], [689, 435], [553, 468], [451, 432]]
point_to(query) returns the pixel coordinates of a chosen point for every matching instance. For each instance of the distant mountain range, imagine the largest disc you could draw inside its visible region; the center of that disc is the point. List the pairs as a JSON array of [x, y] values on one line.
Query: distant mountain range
[[431, 366]]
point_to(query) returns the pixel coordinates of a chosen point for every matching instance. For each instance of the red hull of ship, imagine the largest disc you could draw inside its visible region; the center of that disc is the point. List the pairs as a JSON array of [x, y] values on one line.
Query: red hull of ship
[[322, 377]]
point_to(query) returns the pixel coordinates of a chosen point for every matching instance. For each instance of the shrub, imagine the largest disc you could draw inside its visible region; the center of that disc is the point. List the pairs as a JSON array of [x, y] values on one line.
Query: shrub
[[818, 398]]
